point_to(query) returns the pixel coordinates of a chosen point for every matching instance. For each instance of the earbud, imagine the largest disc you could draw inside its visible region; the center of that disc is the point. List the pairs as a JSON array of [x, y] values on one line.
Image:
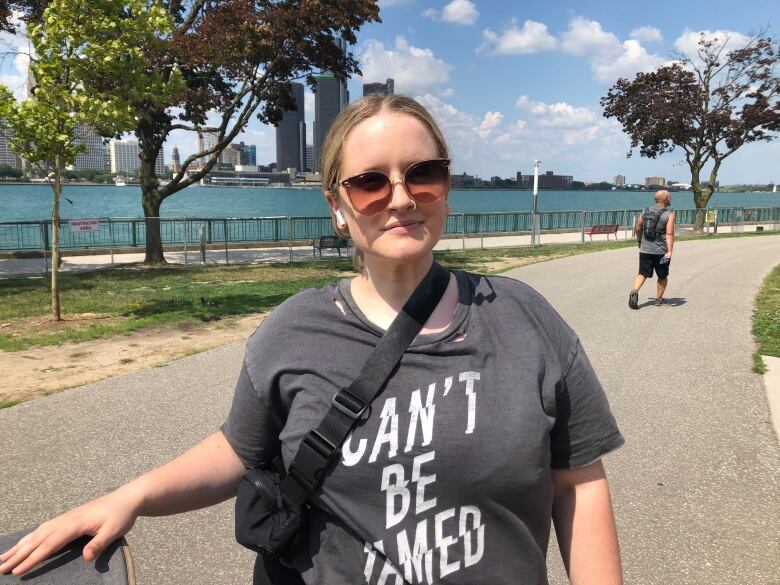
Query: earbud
[[340, 219]]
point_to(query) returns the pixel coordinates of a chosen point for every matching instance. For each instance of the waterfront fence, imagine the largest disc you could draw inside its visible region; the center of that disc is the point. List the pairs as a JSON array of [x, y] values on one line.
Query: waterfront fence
[[194, 236]]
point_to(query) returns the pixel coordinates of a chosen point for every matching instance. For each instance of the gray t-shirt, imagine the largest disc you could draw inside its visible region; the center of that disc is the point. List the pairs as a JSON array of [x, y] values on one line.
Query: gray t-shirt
[[448, 481], [657, 246]]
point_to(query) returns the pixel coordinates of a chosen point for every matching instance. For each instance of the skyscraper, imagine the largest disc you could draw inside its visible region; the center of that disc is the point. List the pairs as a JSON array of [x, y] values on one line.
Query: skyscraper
[[620, 181], [91, 158], [7, 156], [206, 141], [175, 161], [124, 157], [387, 88], [248, 154], [330, 97], [288, 136]]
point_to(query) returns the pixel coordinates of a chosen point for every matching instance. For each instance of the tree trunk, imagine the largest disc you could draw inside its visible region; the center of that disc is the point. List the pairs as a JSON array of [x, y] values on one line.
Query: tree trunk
[[700, 198], [55, 241], [151, 197], [154, 248]]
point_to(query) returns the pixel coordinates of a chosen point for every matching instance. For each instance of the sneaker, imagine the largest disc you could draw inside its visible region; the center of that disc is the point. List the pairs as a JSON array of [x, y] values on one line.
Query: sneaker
[[659, 302], [633, 299]]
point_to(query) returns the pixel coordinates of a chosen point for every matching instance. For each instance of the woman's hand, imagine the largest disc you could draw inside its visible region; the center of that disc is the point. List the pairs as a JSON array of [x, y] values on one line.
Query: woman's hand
[[106, 519]]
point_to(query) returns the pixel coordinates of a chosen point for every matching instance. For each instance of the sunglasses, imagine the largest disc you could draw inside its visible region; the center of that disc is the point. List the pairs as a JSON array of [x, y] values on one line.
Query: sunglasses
[[425, 182]]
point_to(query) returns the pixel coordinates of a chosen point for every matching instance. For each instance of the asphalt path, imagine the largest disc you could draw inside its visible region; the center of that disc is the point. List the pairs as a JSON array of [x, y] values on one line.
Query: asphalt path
[[695, 488]]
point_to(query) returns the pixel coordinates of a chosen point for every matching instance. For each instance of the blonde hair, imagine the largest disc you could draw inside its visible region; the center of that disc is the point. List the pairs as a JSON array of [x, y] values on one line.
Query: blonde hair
[[331, 157]]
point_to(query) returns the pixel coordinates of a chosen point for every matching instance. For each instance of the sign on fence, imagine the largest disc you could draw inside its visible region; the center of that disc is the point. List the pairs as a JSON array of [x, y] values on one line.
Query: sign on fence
[[84, 225]]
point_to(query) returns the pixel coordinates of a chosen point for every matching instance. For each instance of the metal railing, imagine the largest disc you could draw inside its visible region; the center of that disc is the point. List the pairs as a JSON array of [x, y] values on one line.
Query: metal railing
[[131, 233]]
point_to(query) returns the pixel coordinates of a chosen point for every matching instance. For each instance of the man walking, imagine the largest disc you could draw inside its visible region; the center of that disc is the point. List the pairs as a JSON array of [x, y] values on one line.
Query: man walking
[[655, 235]]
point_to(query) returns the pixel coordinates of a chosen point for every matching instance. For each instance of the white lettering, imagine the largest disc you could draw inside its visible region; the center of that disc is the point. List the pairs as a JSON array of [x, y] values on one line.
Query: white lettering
[[350, 457], [388, 431], [396, 489], [420, 504], [425, 416], [471, 556], [447, 385], [469, 378], [443, 543], [412, 558]]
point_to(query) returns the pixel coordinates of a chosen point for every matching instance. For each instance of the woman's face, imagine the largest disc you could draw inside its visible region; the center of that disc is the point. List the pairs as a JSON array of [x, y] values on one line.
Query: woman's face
[[388, 143]]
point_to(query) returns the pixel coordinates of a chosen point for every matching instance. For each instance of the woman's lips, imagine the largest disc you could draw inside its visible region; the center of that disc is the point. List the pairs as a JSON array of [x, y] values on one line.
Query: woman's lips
[[403, 226]]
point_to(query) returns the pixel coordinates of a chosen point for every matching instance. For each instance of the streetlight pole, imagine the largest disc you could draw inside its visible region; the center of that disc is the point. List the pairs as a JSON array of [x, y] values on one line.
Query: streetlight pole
[[535, 235]]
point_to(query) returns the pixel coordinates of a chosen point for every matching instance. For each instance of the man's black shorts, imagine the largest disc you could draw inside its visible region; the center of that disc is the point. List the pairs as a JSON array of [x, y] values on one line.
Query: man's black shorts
[[648, 262]]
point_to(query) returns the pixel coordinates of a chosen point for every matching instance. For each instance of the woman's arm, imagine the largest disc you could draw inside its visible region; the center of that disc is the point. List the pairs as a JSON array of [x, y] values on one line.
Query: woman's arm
[[585, 526], [203, 476]]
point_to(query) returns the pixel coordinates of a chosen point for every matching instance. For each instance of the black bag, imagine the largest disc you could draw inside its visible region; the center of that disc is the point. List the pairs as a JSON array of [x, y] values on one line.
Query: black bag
[[650, 219], [271, 504]]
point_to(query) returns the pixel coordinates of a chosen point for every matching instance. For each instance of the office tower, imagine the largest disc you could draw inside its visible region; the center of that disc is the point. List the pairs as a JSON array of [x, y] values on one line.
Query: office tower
[[288, 142], [176, 161], [387, 88], [92, 157], [327, 105], [248, 154], [655, 181], [309, 158], [302, 146], [125, 159], [7, 156], [230, 157], [206, 141], [330, 97], [620, 181]]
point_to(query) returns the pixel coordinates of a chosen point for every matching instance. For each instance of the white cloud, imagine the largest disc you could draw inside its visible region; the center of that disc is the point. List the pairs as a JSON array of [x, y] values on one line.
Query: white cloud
[[460, 12], [431, 13], [489, 123], [447, 92], [688, 42], [415, 70], [15, 53], [532, 38], [648, 34], [609, 58], [558, 115]]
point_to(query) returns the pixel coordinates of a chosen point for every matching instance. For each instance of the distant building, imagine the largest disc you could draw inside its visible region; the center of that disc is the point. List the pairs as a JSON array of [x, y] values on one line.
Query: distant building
[[387, 88], [8, 156], [290, 151], [248, 154], [309, 158], [619, 181], [462, 180], [547, 180], [330, 97], [230, 157], [125, 158], [92, 158], [655, 181], [175, 161], [206, 141]]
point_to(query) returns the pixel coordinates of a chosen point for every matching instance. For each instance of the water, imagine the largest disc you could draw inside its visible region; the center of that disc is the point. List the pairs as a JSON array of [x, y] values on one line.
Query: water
[[33, 202]]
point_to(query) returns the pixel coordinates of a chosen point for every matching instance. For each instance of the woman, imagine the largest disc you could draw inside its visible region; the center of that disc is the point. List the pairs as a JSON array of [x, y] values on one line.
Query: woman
[[493, 424]]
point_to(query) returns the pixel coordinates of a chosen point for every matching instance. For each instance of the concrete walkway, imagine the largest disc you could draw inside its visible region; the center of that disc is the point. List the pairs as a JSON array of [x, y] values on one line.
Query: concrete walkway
[[695, 487]]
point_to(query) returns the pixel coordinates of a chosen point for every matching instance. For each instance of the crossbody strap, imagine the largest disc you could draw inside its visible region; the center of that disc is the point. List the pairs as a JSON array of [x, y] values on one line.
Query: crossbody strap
[[321, 446]]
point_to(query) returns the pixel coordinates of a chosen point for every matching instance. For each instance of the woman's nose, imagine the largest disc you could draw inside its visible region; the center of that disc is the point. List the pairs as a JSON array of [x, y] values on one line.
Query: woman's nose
[[400, 199]]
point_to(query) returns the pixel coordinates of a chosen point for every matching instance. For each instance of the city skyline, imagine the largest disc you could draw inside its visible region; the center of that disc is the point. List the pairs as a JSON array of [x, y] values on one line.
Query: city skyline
[[509, 86]]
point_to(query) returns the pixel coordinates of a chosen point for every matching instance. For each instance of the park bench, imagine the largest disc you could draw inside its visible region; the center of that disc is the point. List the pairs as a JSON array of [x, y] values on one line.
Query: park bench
[[602, 228], [328, 243]]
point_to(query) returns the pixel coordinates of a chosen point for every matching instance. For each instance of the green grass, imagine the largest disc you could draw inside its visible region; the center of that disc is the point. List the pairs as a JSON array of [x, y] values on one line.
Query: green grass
[[766, 319], [9, 403]]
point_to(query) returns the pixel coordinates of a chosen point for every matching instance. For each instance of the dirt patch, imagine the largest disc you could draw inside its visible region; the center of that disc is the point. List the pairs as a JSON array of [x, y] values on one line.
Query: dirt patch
[[40, 371]]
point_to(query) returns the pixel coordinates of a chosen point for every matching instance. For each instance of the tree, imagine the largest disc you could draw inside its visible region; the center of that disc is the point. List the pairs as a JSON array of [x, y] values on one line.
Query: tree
[[78, 45], [237, 58], [708, 107]]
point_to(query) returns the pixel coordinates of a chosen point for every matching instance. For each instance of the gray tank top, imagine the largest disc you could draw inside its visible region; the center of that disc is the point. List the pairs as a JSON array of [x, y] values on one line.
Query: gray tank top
[[659, 245]]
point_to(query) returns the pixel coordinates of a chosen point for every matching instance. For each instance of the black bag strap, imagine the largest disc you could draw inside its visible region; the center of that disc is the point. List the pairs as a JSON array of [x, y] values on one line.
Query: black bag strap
[[321, 446]]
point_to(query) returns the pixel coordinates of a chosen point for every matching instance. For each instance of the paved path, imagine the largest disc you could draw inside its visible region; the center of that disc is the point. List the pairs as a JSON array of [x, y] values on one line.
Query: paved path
[[695, 487]]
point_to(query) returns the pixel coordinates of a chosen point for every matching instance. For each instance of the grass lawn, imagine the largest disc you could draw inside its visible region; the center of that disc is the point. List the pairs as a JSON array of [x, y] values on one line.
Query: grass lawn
[[766, 319]]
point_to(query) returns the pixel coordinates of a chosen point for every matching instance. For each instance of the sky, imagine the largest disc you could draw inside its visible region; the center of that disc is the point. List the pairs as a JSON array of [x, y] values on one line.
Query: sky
[[510, 82]]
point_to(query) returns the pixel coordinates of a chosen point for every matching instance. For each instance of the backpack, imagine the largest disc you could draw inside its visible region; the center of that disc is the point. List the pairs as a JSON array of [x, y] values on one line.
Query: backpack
[[650, 219]]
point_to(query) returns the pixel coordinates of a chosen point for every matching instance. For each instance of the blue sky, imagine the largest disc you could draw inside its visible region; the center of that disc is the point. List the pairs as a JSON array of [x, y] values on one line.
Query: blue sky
[[510, 82]]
